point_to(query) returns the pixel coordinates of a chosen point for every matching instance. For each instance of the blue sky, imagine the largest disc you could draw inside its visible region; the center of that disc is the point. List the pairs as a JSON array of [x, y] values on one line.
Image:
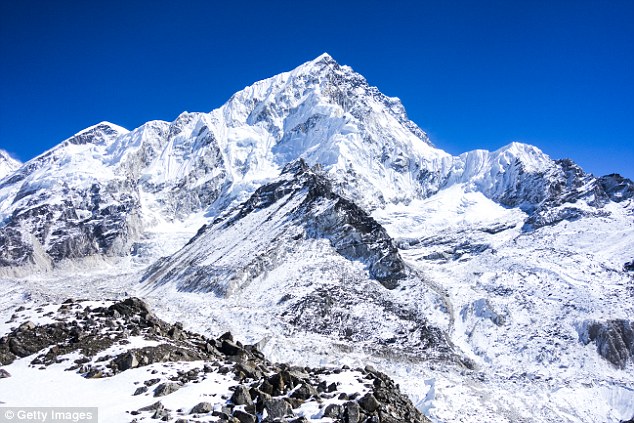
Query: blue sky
[[473, 74]]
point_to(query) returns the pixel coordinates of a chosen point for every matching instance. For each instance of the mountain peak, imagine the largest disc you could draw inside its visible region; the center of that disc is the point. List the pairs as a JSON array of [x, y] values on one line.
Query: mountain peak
[[7, 163], [323, 65], [103, 126], [4, 155], [97, 134], [324, 57]]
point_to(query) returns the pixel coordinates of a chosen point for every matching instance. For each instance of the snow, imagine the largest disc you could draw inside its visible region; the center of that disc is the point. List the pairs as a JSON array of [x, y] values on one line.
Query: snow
[[510, 300], [8, 164], [56, 387]]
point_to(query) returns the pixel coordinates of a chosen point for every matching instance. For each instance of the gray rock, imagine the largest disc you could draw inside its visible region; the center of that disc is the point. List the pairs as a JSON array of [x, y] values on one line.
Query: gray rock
[[127, 361], [277, 407], [26, 326], [155, 406], [202, 408], [241, 396], [230, 348], [161, 414], [244, 417], [369, 403], [140, 390], [304, 392], [352, 412], [334, 411], [165, 389], [4, 374], [614, 340]]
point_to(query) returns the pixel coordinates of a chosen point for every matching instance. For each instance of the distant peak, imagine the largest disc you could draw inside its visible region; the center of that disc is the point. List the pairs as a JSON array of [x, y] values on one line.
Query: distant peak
[[104, 125], [6, 157], [520, 147], [7, 163], [296, 167], [98, 134], [322, 62], [324, 57]]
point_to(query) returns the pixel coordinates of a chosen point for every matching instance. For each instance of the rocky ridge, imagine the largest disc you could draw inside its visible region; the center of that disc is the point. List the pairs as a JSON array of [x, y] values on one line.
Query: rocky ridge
[[304, 202]]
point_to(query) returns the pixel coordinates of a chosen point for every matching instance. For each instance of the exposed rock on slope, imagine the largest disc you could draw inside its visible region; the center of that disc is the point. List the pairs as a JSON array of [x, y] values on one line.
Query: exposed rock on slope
[[301, 205], [614, 340], [98, 341]]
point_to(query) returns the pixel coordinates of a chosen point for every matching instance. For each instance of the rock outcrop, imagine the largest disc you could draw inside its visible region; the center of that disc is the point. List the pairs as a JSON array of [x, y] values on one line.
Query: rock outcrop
[[262, 391], [614, 340]]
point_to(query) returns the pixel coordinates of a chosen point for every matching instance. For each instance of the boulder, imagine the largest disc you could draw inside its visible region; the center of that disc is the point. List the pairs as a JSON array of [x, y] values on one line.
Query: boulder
[[369, 403], [241, 396], [277, 407], [165, 389], [140, 390], [333, 411], [244, 417], [202, 408], [352, 412]]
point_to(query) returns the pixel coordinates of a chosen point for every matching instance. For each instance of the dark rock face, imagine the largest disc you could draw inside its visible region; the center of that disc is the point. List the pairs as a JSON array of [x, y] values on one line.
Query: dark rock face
[[616, 187], [352, 232], [614, 340]]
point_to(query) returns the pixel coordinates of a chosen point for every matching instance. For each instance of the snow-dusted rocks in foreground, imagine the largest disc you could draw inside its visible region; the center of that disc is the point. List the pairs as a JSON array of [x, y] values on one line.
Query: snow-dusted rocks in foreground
[[119, 357]]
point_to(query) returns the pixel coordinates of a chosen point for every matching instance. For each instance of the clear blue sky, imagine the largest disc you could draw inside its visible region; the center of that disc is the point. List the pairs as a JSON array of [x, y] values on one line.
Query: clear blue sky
[[473, 74]]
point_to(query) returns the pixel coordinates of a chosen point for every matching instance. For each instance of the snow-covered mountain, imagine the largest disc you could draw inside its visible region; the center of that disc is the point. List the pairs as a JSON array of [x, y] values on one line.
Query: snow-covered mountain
[[7, 164], [98, 192], [309, 215]]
